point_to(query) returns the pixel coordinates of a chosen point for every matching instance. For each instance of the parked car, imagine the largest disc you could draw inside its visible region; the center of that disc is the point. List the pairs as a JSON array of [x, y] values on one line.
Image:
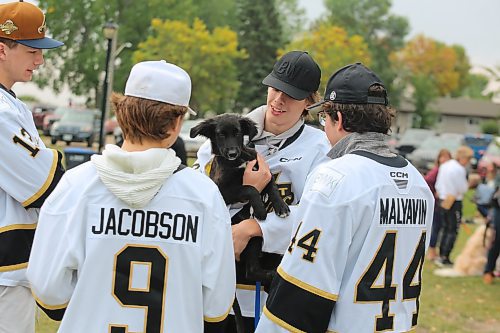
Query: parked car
[[78, 126], [411, 139], [192, 144], [110, 124], [478, 143], [424, 156], [490, 158], [51, 118], [39, 111]]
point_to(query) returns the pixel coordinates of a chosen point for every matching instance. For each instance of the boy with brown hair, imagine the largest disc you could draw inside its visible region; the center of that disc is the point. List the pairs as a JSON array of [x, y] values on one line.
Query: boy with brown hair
[[131, 239], [29, 171]]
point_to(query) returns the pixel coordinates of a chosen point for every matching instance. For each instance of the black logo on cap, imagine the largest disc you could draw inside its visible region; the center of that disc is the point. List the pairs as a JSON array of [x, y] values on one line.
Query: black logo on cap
[[290, 71]]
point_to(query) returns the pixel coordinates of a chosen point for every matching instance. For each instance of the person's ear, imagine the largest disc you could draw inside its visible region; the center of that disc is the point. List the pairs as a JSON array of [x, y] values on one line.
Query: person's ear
[[3, 51], [339, 121]]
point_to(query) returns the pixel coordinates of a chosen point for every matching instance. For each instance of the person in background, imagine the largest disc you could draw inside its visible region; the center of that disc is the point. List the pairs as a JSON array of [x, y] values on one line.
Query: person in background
[[29, 171], [355, 261], [451, 185], [431, 176], [132, 241], [484, 192], [494, 251], [292, 150]]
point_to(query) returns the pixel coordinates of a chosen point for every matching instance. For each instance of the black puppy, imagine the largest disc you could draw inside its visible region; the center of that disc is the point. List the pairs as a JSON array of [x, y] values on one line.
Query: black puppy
[[226, 133]]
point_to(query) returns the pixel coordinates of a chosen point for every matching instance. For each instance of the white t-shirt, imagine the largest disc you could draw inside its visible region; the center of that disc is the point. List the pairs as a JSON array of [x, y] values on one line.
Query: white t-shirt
[[355, 261], [166, 267]]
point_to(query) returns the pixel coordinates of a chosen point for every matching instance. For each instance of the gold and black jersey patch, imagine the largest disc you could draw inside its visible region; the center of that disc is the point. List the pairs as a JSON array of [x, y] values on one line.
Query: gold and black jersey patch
[[297, 309], [15, 246]]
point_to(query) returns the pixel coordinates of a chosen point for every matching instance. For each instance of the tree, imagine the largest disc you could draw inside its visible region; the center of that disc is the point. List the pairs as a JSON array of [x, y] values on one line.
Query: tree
[[382, 31], [260, 34], [490, 127], [332, 48], [292, 18], [78, 24], [476, 87], [216, 13], [208, 57], [433, 69]]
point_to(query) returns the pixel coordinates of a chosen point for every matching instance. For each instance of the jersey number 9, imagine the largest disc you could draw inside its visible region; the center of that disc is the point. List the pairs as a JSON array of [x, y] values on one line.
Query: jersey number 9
[[152, 296]]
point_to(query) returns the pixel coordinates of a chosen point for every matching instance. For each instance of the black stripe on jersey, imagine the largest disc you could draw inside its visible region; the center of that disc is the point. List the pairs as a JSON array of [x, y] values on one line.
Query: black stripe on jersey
[[397, 161], [55, 314], [217, 324], [218, 327], [53, 178], [299, 310], [15, 246]]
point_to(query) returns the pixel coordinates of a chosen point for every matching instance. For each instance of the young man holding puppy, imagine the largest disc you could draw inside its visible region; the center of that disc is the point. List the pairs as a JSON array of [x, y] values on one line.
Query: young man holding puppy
[[132, 241]]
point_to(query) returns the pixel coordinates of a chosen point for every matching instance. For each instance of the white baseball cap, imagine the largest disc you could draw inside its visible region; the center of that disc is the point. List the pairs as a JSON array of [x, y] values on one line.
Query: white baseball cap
[[160, 81]]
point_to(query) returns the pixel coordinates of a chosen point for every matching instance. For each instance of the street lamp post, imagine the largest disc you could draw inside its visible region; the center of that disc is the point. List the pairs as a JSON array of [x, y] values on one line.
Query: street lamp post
[[109, 31]]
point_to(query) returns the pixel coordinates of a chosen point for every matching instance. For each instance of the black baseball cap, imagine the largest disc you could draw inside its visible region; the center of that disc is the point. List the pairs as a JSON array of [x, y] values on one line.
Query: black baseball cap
[[296, 74], [350, 85]]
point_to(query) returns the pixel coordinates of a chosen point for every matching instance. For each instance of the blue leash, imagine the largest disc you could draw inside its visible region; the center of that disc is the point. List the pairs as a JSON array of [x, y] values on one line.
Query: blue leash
[[257, 303]]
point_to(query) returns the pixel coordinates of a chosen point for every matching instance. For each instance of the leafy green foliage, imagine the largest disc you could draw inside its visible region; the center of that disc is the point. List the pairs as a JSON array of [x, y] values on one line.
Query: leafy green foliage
[[259, 33], [490, 127], [208, 57], [331, 47], [78, 24], [382, 31]]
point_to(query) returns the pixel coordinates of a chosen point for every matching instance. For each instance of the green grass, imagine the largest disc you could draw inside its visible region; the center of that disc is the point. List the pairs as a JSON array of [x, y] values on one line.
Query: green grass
[[447, 305]]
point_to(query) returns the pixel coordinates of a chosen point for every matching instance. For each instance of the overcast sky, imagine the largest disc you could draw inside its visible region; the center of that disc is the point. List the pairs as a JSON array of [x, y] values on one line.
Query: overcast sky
[[474, 24]]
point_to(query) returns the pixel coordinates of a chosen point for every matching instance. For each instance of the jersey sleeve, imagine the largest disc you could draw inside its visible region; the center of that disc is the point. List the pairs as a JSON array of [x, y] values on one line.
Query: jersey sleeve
[[29, 171], [203, 157], [54, 258], [309, 277], [277, 231], [219, 276]]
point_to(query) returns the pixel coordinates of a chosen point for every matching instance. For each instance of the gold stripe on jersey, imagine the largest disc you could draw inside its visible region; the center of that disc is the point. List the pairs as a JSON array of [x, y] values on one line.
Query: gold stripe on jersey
[[245, 286], [305, 286], [217, 319], [280, 322], [49, 307], [47, 183], [18, 260]]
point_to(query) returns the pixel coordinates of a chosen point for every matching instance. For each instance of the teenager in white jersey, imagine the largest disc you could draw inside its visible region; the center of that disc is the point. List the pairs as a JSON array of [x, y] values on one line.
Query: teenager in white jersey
[[291, 148], [28, 170], [355, 261], [131, 241]]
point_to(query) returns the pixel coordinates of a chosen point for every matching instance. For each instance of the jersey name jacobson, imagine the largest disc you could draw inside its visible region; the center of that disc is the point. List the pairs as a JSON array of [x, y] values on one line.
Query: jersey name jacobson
[[402, 211], [145, 223]]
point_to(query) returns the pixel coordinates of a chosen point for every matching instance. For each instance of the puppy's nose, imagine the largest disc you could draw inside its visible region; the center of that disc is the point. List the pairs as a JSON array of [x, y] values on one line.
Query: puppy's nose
[[232, 153]]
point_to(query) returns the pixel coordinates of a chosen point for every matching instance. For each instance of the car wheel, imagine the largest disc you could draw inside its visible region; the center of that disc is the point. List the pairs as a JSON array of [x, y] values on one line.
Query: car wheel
[[68, 143], [90, 141], [53, 140]]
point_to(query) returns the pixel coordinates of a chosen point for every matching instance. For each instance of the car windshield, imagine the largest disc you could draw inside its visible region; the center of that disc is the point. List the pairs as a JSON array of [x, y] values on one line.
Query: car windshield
[[477, 141], [78, 117]]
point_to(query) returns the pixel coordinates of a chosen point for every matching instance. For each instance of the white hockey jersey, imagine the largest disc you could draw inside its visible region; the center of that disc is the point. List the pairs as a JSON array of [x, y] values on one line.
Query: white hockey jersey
[[355, 261], [290, 167], [28, 172], [166, 267]]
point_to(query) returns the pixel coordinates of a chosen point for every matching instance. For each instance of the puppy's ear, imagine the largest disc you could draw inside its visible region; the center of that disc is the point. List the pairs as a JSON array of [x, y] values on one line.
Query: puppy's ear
[[248, 127], [206, 128]]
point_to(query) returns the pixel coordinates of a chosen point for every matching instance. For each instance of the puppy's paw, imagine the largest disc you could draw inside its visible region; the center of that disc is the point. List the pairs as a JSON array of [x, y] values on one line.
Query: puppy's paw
[[260, 213], [282, 210]]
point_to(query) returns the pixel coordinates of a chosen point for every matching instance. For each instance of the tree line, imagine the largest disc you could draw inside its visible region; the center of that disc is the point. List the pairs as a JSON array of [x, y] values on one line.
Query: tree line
[[229, 46]]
